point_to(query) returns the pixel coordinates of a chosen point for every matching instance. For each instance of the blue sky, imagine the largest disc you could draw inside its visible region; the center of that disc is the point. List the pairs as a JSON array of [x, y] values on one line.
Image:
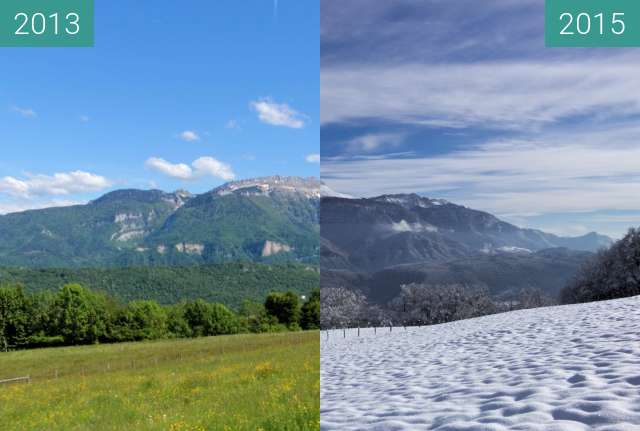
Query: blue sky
[[185, 94], [461, 100]]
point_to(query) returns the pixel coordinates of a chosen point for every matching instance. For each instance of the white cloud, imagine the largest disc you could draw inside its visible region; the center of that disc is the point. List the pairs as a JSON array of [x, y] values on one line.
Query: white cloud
[[57, 184], [189, 136], [516, 94], [276, 114], [313, 158], [24, 112], [84, 118], [201, 167], [175, 170], [212, 167]]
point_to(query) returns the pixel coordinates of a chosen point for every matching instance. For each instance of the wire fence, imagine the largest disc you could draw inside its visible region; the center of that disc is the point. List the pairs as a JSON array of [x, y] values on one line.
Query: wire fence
[[343, 333], [182, 351]]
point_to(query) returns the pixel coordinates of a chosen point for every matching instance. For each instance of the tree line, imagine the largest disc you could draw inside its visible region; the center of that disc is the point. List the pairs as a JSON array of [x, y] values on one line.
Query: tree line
[[612, 273], [76, 315], [420, 304]]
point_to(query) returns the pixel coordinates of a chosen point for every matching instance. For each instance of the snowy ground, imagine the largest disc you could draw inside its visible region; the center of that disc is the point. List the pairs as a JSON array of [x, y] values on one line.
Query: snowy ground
[[571, 367]]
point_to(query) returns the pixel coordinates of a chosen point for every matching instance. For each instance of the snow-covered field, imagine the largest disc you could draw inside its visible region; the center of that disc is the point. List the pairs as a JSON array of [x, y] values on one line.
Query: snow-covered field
[[571, 367]]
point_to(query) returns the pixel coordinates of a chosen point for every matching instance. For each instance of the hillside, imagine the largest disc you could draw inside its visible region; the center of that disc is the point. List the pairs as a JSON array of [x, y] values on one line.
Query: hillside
[[504, 274], [229, 284], [271, 219], [398, 229], [569, 367]]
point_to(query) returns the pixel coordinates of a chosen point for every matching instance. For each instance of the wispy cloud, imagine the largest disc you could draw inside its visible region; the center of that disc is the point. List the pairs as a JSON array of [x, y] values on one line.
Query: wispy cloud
[[25, 112], [557, 172], [374, 141], [233, 125], [514, 95], [278, 114], [199, 168], [57, 184]]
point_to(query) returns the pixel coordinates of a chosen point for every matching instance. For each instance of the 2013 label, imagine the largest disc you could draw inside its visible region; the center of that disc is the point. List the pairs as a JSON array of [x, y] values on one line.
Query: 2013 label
[[38, 24]]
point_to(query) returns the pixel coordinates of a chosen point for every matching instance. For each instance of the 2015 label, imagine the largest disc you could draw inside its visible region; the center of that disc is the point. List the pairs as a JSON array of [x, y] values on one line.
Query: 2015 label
[[592, 23], [582, 23]]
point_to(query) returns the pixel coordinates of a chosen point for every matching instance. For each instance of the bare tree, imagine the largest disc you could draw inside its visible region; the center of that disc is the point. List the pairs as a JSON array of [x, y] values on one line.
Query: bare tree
[[430, 304], [343, 308], [612, 273], [533, 298]]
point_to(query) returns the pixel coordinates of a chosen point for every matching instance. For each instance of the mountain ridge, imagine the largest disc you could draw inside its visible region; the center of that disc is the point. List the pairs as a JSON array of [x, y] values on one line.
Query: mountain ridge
[[130, 227], [376, 244], [439, 227]]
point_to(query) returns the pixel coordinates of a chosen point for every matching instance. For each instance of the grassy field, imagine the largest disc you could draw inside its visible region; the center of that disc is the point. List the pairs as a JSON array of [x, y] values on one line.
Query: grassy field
[[240, 382]]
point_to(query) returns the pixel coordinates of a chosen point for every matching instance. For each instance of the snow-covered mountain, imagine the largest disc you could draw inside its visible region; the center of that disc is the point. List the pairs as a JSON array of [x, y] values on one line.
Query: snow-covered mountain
[[377, 244], [399, 229], [572, 367]]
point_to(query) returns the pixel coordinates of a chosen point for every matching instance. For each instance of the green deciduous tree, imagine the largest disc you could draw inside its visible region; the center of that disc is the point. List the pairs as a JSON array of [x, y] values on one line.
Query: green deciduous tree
[[285, 307], [79, 315], [140, 320], [206, 319]]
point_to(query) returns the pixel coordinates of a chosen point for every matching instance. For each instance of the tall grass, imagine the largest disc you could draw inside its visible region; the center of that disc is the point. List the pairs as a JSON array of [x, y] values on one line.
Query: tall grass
[[241, 382]]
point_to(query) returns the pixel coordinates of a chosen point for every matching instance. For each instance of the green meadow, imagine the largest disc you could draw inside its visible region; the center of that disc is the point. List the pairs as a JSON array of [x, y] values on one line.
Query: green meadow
[[235, 382]]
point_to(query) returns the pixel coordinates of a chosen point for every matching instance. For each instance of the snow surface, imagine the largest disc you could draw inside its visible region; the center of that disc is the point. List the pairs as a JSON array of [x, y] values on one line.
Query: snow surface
[[573, 367]]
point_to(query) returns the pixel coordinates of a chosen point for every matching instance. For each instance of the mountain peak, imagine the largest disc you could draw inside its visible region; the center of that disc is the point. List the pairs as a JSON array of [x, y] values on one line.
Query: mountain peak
[[411, 200], [309, 186], [130, 194], [176, 199]]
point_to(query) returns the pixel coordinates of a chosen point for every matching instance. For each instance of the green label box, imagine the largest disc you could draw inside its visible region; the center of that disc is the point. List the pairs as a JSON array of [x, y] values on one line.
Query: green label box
[[592, 23], [46, 23]]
